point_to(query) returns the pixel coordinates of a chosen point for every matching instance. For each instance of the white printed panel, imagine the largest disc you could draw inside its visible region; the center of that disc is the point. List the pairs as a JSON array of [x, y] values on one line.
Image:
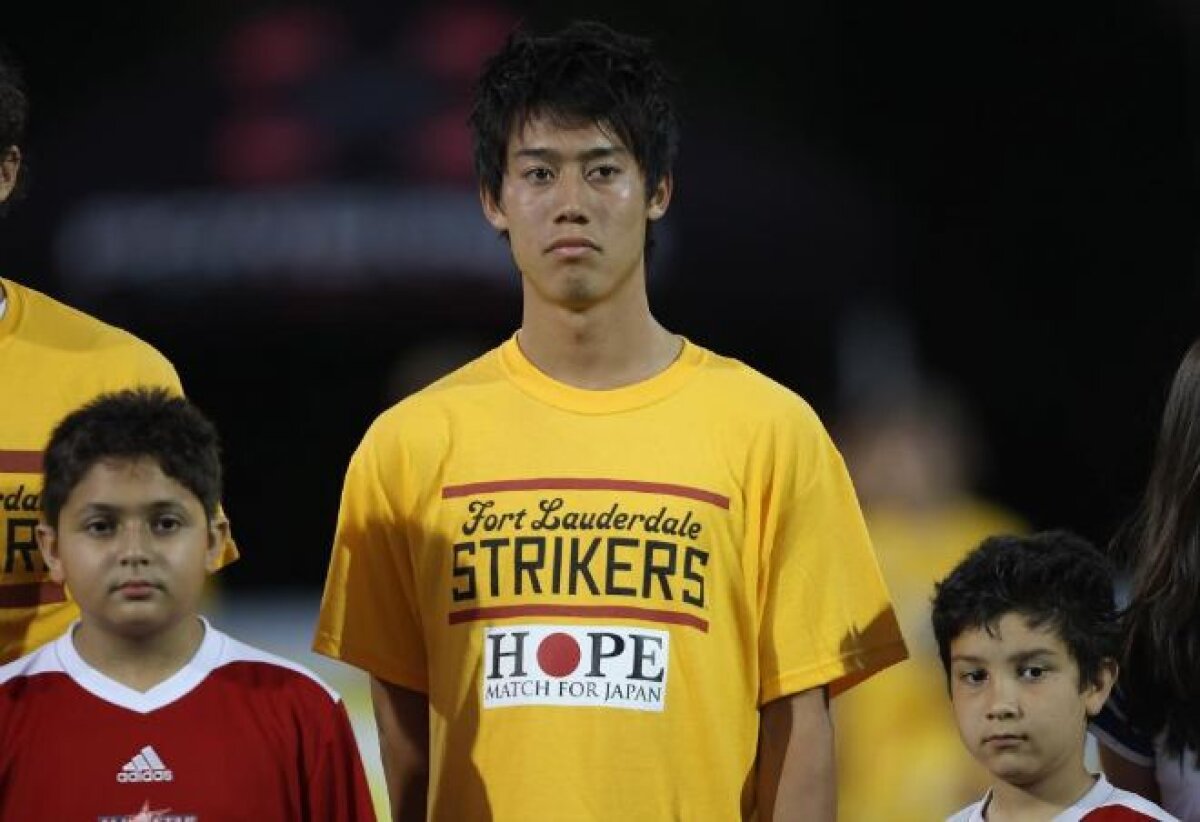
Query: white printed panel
[[597, 666]]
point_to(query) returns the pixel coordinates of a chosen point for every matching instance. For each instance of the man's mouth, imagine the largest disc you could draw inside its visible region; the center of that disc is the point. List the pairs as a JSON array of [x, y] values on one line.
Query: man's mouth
[[571, 246]]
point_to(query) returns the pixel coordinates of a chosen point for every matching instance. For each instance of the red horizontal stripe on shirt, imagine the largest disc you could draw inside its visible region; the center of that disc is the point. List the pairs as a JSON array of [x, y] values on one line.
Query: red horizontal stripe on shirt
[[586, 611], [1115, 813], [31, 594], [20, 462], [471, 489]]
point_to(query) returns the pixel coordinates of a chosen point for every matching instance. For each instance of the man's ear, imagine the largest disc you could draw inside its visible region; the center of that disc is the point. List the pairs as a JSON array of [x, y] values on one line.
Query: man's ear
[[218, 533], [1096, 693], [47, 542], [493, 210], [660, 197], [10, 168]]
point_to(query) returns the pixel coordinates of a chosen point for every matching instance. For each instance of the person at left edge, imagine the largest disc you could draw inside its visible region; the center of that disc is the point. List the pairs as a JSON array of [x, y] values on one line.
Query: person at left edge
[[52, 360]]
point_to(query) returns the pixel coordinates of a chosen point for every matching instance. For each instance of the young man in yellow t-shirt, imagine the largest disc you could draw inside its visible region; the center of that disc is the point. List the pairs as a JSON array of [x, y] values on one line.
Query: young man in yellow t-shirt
[[600, 572], [53, 359]]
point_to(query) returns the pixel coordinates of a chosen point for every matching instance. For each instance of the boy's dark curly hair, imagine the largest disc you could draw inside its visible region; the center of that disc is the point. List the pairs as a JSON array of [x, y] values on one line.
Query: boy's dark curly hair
[[128, 425], [1054, 579]]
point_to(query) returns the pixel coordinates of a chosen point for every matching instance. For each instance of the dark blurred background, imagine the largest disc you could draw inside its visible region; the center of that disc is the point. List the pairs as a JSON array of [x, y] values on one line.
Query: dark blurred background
[[871, 197]]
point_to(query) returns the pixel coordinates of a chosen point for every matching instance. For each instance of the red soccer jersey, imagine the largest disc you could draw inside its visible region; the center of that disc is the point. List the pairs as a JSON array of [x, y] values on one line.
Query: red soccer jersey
[[236, 734]]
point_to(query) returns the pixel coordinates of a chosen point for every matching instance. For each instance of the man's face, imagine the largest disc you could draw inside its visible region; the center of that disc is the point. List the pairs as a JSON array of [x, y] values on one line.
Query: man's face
[[574, 204], [1017, 701], [133, 547]]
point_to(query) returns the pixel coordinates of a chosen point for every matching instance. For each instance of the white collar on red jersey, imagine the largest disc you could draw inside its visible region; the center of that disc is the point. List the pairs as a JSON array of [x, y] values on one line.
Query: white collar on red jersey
[[164, 693]]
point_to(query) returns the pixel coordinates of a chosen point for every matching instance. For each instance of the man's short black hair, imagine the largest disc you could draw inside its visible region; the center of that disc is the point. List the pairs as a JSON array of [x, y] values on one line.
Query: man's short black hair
[[583, 75], [139, 423], [14, 106], [14, 113], [1054, 579]]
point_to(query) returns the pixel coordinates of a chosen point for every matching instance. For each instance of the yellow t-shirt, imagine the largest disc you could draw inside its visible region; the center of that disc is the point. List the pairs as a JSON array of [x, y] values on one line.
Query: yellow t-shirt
[[53, 359], [598, 589]]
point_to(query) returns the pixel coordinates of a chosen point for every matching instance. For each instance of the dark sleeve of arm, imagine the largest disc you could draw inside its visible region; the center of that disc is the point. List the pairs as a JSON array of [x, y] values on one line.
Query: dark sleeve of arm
[[1114, 730]]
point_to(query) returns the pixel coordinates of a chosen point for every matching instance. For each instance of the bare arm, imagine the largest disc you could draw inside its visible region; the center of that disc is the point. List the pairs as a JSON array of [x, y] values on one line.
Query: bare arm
[[1128, 776], [795, 759], [402, 717]]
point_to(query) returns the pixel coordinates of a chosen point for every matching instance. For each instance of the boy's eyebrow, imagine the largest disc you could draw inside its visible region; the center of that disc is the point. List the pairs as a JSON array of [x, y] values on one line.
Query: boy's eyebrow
[[1020, 656], [106, 508], [101, 507], [970, 660]]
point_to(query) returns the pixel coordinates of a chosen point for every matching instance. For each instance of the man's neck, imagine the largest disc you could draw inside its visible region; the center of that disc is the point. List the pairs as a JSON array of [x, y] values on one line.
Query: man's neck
[[597, 348]]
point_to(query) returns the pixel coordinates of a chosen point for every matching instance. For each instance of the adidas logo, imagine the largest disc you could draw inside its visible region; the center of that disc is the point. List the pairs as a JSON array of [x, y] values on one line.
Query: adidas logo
[[146, 766]]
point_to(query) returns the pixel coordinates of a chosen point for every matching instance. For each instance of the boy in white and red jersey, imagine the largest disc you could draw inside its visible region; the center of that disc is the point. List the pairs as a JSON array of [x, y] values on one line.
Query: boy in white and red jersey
[[1027, 631], [160, 716]]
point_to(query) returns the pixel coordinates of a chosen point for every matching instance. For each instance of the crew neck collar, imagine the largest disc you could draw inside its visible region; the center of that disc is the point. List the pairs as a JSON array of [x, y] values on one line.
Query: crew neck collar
[[545, 388]]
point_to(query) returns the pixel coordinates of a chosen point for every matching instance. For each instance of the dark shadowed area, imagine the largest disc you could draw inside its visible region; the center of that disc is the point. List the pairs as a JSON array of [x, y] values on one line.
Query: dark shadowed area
[[870, 196]]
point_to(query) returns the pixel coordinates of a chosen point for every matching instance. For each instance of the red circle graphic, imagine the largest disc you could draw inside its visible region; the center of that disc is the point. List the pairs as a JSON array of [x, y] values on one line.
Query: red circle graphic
[[558, 655]]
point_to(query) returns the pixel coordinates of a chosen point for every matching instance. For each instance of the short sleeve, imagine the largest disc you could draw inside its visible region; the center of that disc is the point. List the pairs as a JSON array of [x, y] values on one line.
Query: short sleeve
[[153, 369], [336, 784], [369, 614], [825, 614]]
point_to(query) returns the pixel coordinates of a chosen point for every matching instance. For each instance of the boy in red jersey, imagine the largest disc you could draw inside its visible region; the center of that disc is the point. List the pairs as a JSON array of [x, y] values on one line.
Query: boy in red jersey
[[167, 718], [1027, 631]]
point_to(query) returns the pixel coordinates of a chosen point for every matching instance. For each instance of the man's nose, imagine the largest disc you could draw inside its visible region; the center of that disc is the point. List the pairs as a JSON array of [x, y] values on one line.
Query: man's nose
[[572, 199]]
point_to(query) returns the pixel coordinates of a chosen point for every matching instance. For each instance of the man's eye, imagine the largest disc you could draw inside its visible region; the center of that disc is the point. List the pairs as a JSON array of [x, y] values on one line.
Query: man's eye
[[604, 172], [538, 174], [1033, 672]]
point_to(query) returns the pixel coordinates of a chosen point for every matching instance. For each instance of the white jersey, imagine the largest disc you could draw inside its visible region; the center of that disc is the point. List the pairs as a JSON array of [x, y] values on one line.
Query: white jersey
[[1103, 802]]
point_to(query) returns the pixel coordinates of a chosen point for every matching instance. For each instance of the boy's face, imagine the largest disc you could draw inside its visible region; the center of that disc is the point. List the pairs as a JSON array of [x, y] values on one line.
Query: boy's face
[[1017, 701], [134, 547], [574, 204]]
